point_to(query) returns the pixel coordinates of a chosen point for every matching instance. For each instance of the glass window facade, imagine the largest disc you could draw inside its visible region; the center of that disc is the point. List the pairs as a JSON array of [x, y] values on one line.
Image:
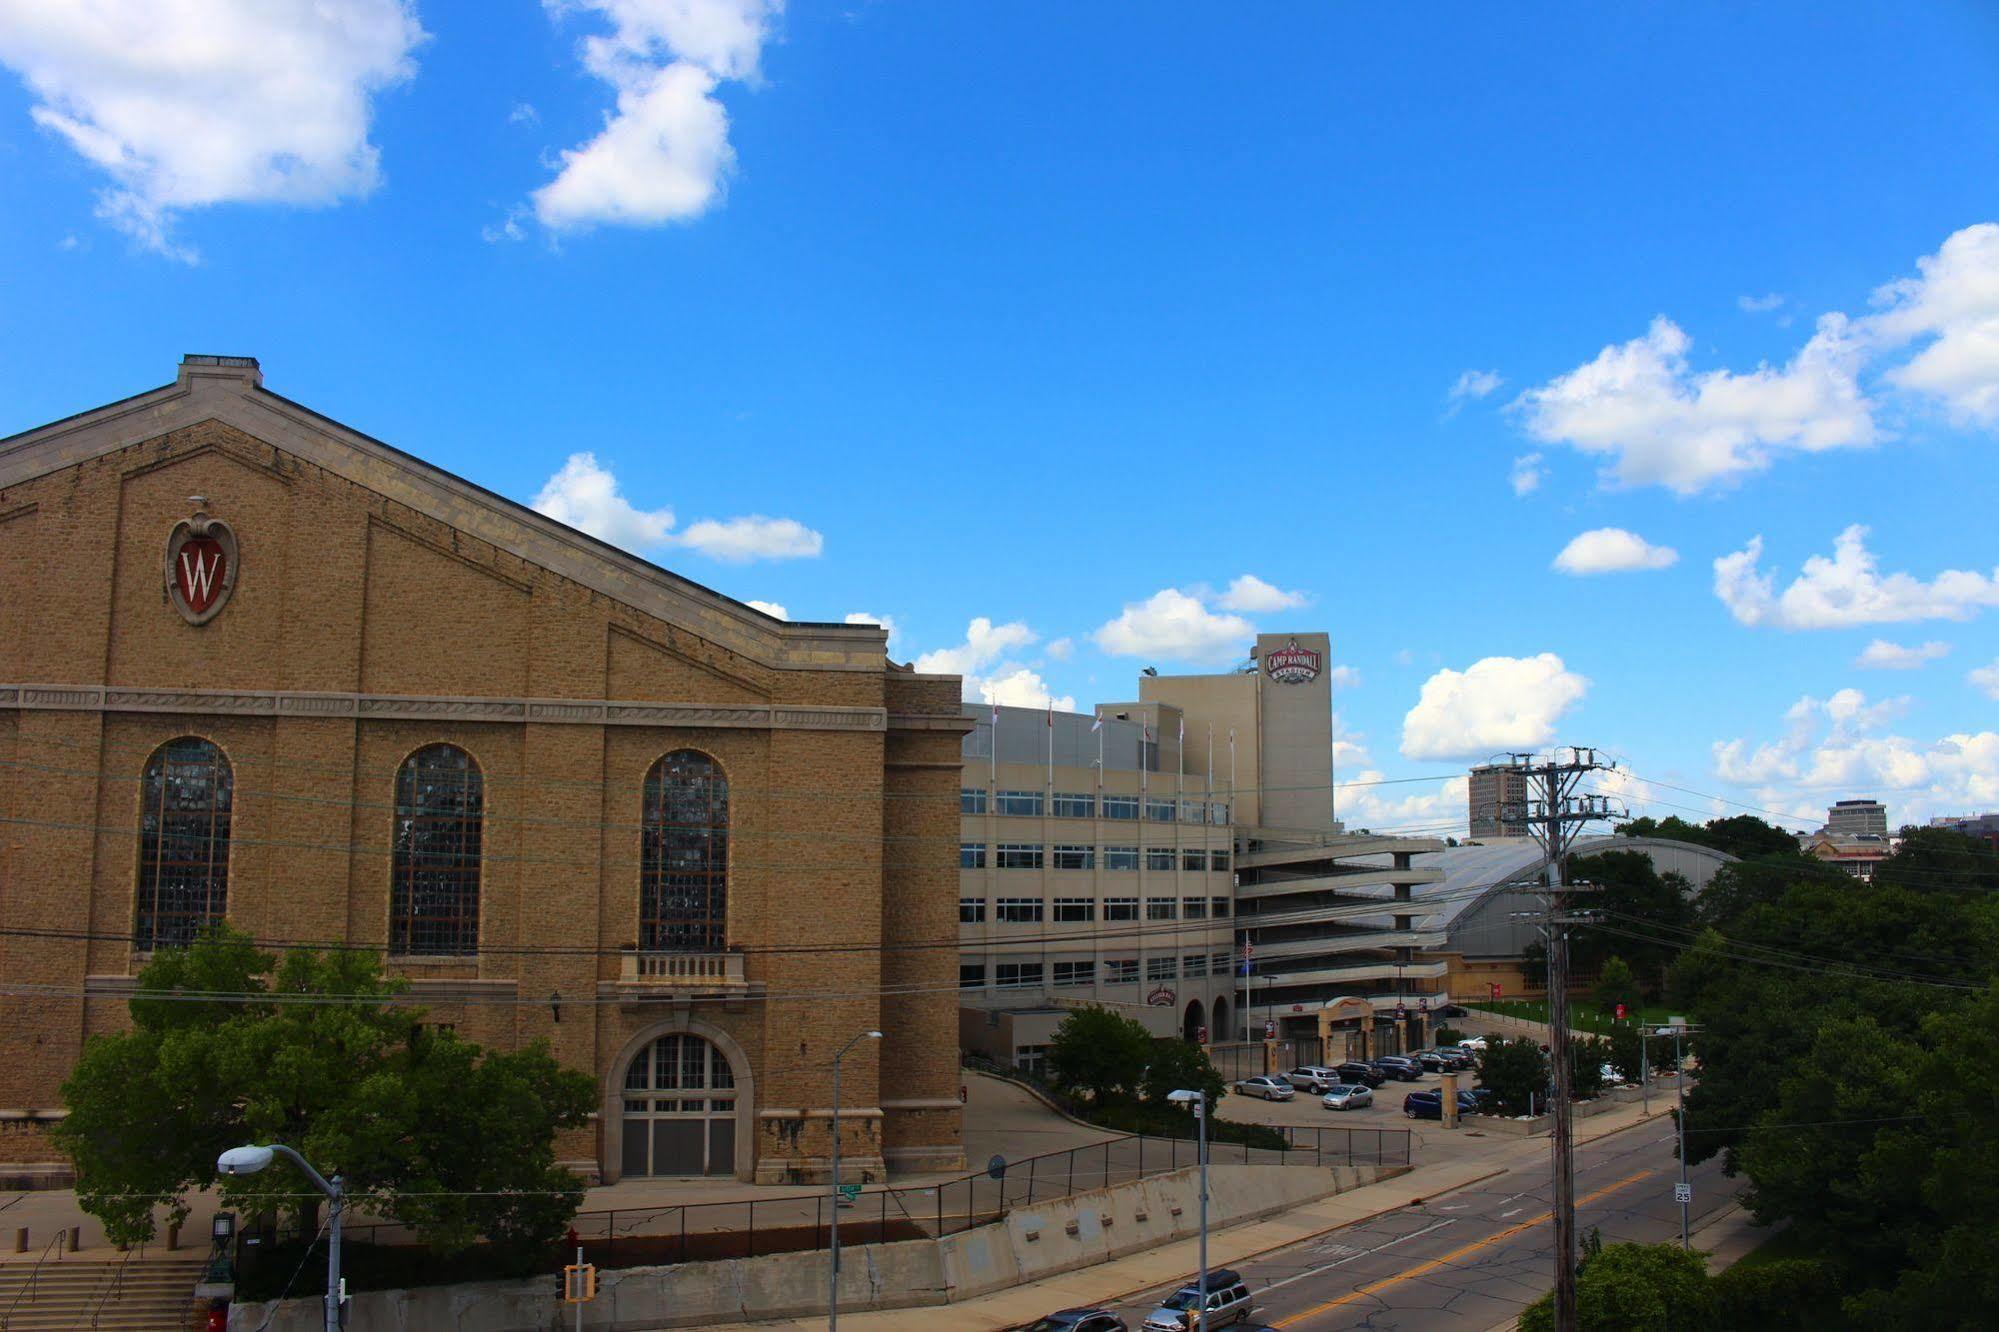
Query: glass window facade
[[189, 791], [439, 820]]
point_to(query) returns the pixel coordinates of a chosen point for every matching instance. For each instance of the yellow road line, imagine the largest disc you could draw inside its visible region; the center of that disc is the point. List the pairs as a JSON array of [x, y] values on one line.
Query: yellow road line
[[1430, 1265]]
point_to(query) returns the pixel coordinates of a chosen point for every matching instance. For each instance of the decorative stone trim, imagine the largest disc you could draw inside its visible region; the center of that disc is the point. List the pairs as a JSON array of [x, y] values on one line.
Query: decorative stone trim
[[387, 707]]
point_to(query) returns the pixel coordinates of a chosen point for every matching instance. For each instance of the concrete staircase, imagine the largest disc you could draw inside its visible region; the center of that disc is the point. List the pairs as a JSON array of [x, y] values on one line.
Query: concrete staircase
[[73, 1294]]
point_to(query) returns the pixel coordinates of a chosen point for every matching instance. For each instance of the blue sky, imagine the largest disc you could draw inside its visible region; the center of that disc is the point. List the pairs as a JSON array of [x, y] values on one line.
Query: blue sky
[[1036, 314]]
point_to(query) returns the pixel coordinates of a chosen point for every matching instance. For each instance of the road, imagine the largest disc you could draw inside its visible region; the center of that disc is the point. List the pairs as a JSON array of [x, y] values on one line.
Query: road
[[1474, 1258]]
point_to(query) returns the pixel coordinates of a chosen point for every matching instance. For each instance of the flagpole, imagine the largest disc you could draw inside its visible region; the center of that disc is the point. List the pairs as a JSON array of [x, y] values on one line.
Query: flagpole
[[992, 753], [1051, 744]]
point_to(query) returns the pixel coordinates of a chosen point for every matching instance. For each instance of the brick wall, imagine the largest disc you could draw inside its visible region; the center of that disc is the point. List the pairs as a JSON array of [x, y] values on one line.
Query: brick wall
[[341, 589]]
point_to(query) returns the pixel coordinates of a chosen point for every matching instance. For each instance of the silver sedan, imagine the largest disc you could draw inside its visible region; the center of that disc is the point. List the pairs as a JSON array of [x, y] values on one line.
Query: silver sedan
[[1347, 1097]]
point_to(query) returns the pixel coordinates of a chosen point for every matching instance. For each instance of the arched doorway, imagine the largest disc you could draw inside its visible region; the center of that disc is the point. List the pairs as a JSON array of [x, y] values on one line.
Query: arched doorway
[[1191, 1024], [679, 1110], [1222, 1031]]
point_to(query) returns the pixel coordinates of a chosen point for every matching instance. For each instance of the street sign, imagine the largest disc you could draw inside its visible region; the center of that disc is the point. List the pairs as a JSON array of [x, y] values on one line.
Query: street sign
[[579, 1283], [1269, 1029], [1620, 1012], [849, 1194], [1683, 1194], [1401, 1012]]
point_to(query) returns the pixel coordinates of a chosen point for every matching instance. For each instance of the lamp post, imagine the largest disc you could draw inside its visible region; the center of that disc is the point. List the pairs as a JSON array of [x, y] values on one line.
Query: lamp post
[[1199, 1102], [1685, 1191], [249, 1160], [833, 1229]]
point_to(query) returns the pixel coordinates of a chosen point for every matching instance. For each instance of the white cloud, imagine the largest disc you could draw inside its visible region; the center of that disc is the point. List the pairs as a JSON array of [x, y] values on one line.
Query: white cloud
[[1019, 687], [1470, 386], [885, 621], [1366, 800], [1845, 590], [753, 537], [1837, 747], [1527, 473], [1612, 550], [1062, 649], [989, 676], [1343, 677], [1986, 678], [585, 494], [1881, 655], [229, 101], [1954, 306], [1173, 625], [1654, 421], [985, 643], [1760, 304], [1252, 594], [523, 114], [1497, 703], [771, 608], [663, 154]]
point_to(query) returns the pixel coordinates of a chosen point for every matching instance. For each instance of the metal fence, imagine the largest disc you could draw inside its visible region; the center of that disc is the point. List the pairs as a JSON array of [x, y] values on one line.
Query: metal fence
[[696, 1232]]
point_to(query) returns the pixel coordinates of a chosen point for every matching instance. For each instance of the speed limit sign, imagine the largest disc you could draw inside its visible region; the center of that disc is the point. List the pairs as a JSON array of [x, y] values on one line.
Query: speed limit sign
[[1683, 1193]]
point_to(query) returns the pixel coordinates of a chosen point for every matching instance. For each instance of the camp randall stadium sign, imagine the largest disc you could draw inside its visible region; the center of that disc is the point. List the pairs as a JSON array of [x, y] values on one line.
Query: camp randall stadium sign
[[1292, 664]]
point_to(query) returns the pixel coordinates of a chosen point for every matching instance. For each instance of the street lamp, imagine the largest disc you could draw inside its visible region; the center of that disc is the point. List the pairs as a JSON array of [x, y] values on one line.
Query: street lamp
[[833, 1231], [1199, 1102], [249, 1160], [1685, 1193]]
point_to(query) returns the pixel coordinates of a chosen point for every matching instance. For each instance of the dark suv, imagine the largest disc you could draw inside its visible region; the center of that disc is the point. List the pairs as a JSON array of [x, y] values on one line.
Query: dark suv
[[1402, 1070], [1367, 1075]]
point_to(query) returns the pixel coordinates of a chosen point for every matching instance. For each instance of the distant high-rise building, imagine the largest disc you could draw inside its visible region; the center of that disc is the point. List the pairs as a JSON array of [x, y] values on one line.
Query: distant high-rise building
[[1980, 827], [1857, 818], [1495, 801]]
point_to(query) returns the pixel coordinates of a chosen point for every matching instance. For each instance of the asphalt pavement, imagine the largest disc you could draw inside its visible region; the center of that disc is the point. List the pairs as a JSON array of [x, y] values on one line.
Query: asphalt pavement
[[1475, 1257]]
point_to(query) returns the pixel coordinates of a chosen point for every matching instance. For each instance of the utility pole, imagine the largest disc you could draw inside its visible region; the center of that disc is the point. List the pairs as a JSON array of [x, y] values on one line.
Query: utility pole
[[1553, 815]]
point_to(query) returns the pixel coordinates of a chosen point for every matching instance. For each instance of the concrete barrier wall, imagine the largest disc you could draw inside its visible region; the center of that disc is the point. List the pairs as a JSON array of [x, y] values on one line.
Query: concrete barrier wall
[[1030, 1243]]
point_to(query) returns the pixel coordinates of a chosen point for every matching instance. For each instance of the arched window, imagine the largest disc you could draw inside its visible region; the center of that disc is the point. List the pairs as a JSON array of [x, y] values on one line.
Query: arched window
[[434, 900], [680, 1110], [684, 857], [183, 843]]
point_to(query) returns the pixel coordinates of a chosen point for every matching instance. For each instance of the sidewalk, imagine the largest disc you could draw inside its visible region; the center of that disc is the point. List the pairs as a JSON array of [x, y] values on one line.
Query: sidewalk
[[1476, 1159]]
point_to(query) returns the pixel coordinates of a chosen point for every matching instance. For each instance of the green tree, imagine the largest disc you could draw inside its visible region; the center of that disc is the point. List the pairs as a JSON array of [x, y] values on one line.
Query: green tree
[[1625, 1055], [1616, 985], [312, 1051], [1099, 1054], [1534, 965], [1635, 1288], [1178, 1065], [1634, 899], [1515, 1071], [1586, 1060]]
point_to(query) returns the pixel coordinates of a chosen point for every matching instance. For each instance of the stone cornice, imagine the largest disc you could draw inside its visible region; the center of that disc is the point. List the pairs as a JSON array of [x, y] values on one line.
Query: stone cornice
[[386, 707]]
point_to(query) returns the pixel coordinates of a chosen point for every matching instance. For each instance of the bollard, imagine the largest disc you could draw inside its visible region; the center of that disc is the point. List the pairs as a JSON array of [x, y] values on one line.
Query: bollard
[[173, 1235], [75, 1238], [20, 1239]]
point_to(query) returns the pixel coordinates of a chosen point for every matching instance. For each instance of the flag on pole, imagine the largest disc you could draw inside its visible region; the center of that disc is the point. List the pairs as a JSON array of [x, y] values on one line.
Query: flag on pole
[[1097, 722]]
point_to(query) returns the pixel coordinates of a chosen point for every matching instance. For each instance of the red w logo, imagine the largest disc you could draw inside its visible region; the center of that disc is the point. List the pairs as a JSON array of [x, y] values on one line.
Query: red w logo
[[199, 572]]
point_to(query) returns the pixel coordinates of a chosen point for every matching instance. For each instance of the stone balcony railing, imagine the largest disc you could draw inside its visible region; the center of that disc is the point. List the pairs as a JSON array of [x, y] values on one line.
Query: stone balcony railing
[[656, 976]]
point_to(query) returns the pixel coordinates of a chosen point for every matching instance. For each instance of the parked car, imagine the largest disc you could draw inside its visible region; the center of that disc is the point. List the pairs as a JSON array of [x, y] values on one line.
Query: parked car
[[1269, 1088], [1227, 1302], [1611, 1077], [1347, 1096], [1314, 1078], [1399, 1068], [1367, 1075], [1485, 1098], [1430, 1104], [1441, 1061], [1079, 1320], [1475, 1044], [1454, 1011]]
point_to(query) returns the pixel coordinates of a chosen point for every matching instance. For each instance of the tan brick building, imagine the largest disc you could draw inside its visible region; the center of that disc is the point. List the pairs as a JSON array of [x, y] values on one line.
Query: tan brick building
[[255, 665]]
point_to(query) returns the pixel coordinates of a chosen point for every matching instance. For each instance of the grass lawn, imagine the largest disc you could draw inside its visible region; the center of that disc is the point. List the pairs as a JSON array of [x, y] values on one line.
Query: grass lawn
[[1583, 1015]]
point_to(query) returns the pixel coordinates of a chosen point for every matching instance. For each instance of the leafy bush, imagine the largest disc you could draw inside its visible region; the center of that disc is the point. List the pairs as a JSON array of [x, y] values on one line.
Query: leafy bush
[[1099, 1055], [1449, 1035], [1787, 1293], [1178, 1065], [1515, 1071], [1636, 1288]]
